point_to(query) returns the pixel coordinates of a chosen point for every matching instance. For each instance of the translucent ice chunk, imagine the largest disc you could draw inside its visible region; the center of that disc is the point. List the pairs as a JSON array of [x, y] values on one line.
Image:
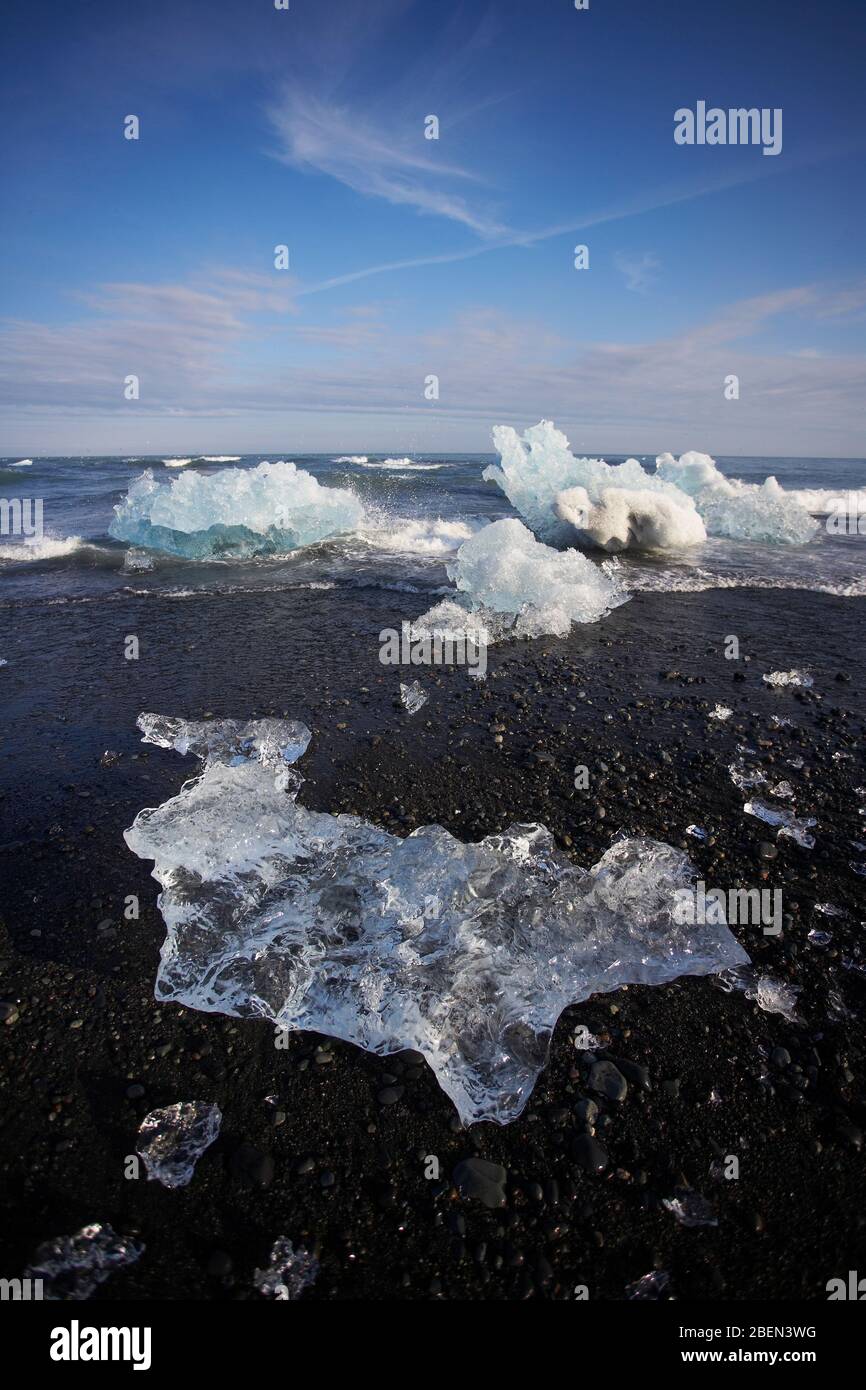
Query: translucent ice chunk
[[71, 1267], [697, 831], [691, 1209], [514, 583], [543, 480], [779, 678], [772, 995], [171, 1141], [794, 827], [288, 1274], [721, 712], [413, 696], [238, 511], [467, 953], [650, 1287], [743, 775], [535, 469]]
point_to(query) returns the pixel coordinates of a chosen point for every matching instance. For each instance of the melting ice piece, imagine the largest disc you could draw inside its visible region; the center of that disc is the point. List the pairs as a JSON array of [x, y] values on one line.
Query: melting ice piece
[[172, 1140], [819, 938], [288, 1274], [780, 678], [413, 696], [239, 511], [796, 828], [721, 712], [771, 995], [650, 1287], [514, 584], [690, 1208], [742, 775], [71, 1267], [467, 953], [564, 499], [697, 831], [782, 789]]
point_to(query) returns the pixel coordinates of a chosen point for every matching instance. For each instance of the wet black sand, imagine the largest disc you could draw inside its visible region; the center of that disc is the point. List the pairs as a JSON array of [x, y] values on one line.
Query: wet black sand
[[340, 1169]]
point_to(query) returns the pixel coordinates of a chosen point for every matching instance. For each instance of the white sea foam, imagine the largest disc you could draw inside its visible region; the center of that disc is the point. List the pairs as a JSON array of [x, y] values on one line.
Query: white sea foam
[[47, 548], [220, 458], [350, 458], [176, 463]]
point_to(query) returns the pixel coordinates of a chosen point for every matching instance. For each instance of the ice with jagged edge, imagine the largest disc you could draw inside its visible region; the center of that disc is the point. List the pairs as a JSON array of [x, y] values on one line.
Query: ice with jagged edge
[[573, 501], [467, 953], [238, 512], [510, 583], [288, 1274], [71, 1267], [172, 1140], [413, 696]]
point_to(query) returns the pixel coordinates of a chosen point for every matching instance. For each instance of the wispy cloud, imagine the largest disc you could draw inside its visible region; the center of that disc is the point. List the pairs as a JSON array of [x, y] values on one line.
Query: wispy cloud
[[640, 272], [227, 350], [316, 134]]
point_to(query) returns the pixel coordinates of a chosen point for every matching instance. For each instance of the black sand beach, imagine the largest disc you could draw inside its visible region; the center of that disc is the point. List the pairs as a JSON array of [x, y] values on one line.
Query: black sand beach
[[327, 1145]]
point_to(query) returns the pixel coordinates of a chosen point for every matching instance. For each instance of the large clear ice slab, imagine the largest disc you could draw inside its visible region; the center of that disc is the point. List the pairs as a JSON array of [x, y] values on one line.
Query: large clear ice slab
[[568, 500], [514, 584], [467, 953], [239, 512]]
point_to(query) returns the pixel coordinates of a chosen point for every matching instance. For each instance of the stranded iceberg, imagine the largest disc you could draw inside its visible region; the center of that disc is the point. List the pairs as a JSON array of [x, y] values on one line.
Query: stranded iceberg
[[574, 501], [466, 952], [509, 583], [258, 511]]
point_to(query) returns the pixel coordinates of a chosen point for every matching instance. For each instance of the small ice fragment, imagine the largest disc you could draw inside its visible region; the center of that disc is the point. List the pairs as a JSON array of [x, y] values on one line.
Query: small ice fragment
[[771, 995], [721, 712], [774, 996], [413, 696], [820, 938], [71, 1267], [780, 678], [3, 661], [714, 1098], [858, 845], [796, 763], [790, 825], [782, 789], [289, 1273], [691, 1209], [171, 1141], [650, 1287], [744, 776], [697, 831], [781, 721], [829, 910], [858, 868]]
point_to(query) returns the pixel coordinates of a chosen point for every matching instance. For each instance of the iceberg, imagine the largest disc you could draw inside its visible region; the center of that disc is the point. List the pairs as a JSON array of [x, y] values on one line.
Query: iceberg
[[580, 501], [512, 584], [467, 953], [238, 512]]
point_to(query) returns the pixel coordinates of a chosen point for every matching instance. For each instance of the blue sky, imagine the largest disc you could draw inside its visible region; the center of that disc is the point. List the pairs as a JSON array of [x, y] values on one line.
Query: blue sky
[[413, 257]]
